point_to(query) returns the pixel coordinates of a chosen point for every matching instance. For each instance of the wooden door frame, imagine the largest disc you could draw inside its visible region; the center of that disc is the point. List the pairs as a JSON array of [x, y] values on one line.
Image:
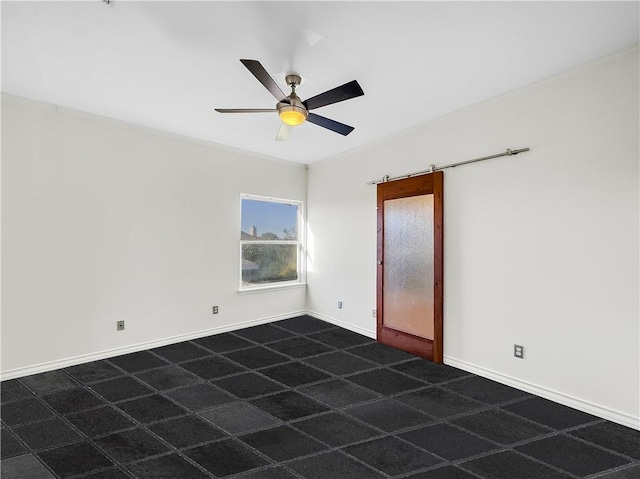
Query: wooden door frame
[[431, 183]]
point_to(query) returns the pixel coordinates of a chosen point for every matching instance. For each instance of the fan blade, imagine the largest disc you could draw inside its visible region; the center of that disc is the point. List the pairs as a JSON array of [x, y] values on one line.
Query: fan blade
[[330, 124], [245, 110], [340, 93], [255, 67], [284, 132]]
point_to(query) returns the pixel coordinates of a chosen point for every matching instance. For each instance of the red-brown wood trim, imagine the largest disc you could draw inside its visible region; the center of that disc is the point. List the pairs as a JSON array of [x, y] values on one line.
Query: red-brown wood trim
[[438, 265], [379, 256], [407, 342], [416, 185]]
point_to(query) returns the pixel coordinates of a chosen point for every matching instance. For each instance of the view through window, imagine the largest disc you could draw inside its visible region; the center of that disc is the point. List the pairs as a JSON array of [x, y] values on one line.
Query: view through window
[[270, 241]]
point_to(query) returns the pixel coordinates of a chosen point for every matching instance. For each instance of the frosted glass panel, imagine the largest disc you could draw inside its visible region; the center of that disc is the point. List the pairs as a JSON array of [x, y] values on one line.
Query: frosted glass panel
[[408, 265]]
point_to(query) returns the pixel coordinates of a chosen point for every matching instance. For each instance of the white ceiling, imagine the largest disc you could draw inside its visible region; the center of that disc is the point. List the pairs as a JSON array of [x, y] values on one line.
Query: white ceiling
[[167, 65]]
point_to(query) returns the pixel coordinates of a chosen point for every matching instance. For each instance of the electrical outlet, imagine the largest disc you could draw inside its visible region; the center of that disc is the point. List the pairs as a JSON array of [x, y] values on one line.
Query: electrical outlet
[[518, 351], [373, 313], [215, 310], [339, 304], [120, 326]]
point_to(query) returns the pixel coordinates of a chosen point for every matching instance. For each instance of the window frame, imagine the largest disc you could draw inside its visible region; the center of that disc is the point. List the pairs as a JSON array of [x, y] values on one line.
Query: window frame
[[299, 242]]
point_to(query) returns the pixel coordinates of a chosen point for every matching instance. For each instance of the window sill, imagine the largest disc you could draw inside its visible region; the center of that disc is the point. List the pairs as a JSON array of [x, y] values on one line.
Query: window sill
[[271, 287]]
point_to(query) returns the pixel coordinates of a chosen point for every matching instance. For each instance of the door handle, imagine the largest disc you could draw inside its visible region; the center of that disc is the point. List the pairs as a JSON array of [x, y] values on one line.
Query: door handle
[[379, 262]]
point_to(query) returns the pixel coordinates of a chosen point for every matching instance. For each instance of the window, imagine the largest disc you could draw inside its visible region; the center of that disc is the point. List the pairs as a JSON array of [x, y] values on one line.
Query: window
[[270, 242]]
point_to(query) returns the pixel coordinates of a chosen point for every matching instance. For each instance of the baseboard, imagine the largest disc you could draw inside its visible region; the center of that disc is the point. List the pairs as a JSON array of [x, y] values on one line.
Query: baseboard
[[342, 324], [555, 396], [109, 353]]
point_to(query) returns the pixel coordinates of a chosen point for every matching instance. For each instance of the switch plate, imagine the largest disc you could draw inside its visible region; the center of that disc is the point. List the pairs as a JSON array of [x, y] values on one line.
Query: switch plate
[[339, 304], [120, 326], [518, 351], [215, 310], [373, 313]]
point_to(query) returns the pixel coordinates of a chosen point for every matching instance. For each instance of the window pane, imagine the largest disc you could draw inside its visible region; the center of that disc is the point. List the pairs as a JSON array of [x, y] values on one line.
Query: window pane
[[267, 263], [266, 220]]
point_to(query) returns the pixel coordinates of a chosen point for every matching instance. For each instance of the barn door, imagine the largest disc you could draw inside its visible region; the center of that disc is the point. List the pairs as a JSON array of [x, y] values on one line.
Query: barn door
[[410, 273]]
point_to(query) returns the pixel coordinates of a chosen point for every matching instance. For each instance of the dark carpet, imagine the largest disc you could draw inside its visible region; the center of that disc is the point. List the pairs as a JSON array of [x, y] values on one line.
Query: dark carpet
[[299, 398]]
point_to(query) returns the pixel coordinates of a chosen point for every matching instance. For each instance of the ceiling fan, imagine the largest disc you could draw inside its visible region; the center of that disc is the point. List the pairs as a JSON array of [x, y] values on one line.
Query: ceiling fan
[[291, 109]]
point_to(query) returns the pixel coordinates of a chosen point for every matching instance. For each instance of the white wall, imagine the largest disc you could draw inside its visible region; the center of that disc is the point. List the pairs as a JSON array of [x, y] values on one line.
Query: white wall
[[541, 249], [103, 221]]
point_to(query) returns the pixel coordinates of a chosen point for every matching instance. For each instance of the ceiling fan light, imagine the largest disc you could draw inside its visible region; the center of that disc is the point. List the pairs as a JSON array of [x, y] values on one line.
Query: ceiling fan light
[[292, 115]]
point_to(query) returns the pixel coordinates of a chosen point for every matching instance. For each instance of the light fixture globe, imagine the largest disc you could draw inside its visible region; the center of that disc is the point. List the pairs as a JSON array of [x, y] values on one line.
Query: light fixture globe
[[292, 114]]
